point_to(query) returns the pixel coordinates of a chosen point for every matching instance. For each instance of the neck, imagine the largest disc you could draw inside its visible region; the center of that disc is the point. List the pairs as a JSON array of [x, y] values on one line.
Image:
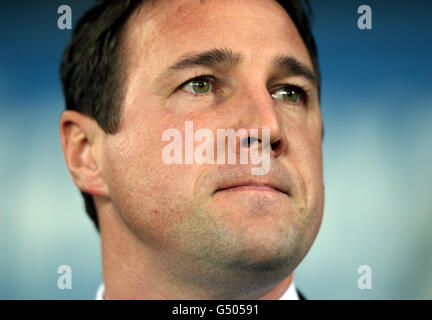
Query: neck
[[132, 271], [278, 291]]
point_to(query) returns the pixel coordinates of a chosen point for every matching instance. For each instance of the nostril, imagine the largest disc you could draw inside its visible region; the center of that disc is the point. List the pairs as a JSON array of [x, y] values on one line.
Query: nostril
[[247, 142], [276, 145]]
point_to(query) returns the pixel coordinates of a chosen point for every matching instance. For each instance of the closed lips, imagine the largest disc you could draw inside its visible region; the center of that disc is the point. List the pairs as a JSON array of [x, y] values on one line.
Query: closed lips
[[253, 186]]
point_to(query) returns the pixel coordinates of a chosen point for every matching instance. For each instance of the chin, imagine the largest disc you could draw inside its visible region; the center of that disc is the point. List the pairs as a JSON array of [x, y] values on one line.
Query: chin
[[277, 264], [265, 272], [277, 254]]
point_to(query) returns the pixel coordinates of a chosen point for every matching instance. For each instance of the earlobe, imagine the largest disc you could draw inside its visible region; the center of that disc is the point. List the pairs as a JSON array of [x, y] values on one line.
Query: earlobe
[[80, 136]]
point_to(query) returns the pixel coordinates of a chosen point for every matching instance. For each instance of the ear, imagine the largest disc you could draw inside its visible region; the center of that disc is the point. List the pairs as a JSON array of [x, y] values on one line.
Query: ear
[[81, 139]]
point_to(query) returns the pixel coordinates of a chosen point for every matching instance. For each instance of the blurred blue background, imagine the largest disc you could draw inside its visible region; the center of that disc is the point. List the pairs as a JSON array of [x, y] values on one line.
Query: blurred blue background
[[377, 110]]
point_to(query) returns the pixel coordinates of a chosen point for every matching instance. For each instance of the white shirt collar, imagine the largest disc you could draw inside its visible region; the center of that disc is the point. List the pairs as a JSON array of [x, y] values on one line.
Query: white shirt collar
[[100, 292], [290, 294]]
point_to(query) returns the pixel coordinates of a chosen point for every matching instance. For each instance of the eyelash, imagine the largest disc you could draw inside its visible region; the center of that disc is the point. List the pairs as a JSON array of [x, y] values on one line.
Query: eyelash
[[201, 76], [304, 93]]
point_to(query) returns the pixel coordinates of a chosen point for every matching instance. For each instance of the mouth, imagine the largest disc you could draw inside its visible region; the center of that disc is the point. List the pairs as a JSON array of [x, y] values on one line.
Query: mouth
[[254, 187]]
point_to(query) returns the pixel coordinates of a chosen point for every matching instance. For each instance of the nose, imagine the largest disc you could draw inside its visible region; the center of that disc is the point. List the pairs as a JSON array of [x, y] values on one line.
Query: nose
[[255, 112]]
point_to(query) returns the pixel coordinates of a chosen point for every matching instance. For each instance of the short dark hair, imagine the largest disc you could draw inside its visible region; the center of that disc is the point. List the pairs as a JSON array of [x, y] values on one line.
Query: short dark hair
[[92, 64]]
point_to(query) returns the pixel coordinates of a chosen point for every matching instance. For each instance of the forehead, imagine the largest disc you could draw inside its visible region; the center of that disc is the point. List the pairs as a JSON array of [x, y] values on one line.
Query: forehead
[[161, 31]]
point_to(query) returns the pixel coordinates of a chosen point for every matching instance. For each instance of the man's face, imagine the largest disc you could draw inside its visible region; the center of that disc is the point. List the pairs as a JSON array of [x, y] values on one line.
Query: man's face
[[191, 215]]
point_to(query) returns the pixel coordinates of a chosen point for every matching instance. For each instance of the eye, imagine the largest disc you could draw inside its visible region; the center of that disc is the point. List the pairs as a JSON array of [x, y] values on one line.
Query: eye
[[201, 85], [290, 94]]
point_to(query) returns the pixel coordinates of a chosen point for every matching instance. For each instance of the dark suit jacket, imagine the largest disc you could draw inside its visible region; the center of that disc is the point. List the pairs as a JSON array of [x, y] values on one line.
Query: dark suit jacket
[[301, 296]]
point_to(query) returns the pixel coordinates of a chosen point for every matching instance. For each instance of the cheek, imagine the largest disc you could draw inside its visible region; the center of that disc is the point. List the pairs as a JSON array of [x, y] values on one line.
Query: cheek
[[314, 184], [305, 153], [306, 156], [149, 195]]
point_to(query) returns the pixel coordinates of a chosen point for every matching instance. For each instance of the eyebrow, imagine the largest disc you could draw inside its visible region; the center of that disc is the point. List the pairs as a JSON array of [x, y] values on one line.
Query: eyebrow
[[211, 58], [226, 57], [292, 66]]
